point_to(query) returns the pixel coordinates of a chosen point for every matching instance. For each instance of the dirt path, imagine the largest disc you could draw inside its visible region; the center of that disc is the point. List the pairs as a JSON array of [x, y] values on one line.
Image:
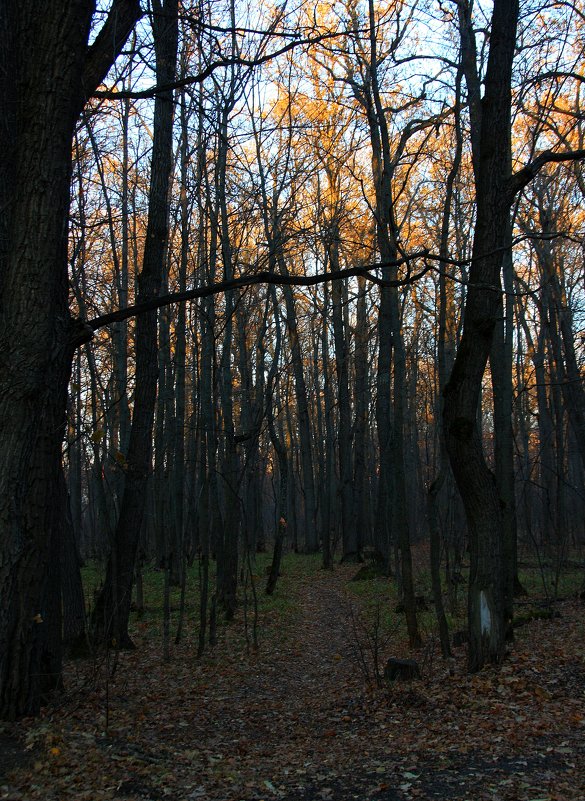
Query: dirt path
[[295, 722], [290, 717]]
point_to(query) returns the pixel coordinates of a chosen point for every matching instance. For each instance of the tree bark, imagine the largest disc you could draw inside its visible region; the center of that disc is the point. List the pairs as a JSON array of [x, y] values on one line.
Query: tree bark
[[112, 610], [46, 72], [492, 165]]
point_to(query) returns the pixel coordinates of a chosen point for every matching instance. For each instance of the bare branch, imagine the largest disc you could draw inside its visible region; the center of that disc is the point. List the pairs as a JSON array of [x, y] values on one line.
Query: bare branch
[[83, 329], [229, 61], [115, 31], [523, 177], [263, 277]]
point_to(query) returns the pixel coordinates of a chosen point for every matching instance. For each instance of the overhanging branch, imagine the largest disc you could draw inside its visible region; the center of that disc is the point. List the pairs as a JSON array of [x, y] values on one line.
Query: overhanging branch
[[228, 61], [263, 277], [83, 330], [523, 177]]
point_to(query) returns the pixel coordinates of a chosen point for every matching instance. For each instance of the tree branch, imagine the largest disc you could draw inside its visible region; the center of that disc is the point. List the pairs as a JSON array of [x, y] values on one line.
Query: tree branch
[[83, 330], [523, 177], [123, 16], [263, 277], [111, 94]]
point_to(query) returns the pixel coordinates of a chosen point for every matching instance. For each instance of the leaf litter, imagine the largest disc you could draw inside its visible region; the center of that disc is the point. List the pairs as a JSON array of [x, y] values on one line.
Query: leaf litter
[[296, 721]]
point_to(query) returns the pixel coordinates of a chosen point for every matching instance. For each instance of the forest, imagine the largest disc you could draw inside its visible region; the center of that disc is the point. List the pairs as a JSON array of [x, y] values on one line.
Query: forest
[[286, 279]]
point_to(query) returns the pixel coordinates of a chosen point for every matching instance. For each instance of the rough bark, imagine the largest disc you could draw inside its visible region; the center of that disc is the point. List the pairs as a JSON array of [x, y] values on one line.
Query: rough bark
[[45, 76], [492, 166]]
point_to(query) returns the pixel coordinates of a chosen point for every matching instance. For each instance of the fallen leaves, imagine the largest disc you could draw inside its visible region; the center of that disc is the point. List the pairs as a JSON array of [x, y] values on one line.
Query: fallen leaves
[[296, 723]]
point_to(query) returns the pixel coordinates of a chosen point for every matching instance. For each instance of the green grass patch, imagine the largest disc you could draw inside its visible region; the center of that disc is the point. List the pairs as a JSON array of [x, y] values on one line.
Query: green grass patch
[[252, 599], [545, 579]]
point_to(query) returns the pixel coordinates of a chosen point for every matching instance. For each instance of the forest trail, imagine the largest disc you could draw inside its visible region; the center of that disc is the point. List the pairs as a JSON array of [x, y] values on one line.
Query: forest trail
[[296, 722], [288, 722]]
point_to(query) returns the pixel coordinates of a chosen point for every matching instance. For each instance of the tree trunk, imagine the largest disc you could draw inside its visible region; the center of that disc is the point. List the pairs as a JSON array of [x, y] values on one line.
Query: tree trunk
[[45, 66], [329, 505], [350, 535], [74, 623], [304, 421], [492, 165], [501, 363], [391, 374], [112, 610], [361, 522]]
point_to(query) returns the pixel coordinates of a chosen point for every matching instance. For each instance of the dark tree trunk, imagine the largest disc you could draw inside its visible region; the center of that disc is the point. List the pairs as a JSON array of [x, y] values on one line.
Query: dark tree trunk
[[492, 166], [227, 544], [328, 502], [45, 70], [305, 435], [112, 610], [361, 522], [391, 375], [278, 443], [74, 622], [445, 350], [351, 536], [501, 362]]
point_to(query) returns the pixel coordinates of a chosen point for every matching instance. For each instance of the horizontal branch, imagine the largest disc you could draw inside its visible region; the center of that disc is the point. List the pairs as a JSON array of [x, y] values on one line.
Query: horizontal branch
[[263, 277], [523, 177], [83, 330], [556, 74]]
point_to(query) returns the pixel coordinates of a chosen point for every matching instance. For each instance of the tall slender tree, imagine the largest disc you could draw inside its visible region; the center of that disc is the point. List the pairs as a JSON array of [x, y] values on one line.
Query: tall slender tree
[[112, 610]]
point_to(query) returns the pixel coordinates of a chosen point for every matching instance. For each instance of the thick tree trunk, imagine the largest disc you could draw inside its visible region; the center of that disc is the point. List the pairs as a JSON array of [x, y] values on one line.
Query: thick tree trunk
[[44, 67], [501, 363], [35, 139]]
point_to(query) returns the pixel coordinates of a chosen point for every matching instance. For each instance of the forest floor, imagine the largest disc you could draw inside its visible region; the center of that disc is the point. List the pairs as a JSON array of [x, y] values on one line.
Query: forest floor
[[298, 721]]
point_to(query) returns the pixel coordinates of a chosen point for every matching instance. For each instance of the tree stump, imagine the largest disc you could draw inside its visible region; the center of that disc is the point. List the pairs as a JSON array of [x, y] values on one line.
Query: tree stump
[[401, 670]]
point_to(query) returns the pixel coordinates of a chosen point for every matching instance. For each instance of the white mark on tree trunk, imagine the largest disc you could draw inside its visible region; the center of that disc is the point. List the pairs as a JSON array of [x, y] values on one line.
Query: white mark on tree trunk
[[485, 614]]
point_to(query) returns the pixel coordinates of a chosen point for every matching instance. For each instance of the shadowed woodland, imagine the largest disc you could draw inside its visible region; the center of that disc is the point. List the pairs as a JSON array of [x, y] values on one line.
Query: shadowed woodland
[[302, 286], [305, 712]]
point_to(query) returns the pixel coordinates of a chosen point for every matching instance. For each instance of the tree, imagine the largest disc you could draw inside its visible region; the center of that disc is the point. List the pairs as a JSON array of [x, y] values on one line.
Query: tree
[[365, 81], [495, 189], [47, 71], [112, 610]]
